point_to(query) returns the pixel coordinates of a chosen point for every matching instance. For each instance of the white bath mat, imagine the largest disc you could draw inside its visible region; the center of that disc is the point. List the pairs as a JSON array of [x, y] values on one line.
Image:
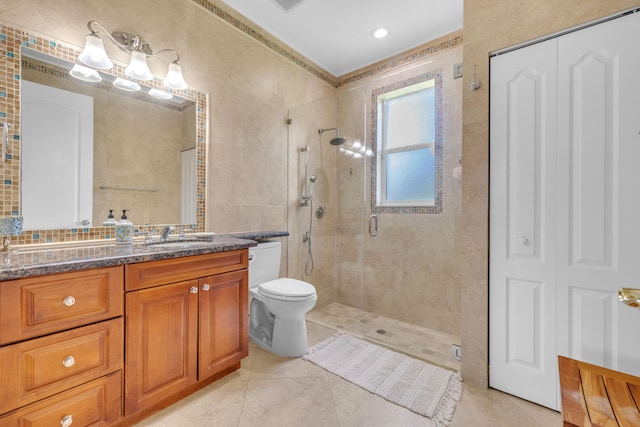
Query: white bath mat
[[425, 389]]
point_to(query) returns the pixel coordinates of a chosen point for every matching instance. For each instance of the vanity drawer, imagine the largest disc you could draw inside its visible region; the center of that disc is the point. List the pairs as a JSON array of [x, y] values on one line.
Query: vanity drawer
[[154, 273], [38, 368], [97, 403], [37, 306]]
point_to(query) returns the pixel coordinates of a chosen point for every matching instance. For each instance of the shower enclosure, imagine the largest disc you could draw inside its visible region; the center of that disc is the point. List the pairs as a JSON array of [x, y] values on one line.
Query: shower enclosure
[[400, 266]]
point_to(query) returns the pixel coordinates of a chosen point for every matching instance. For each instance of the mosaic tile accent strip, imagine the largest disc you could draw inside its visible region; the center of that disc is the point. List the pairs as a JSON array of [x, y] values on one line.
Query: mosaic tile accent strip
[[61, 73], [11, 41], [437, 208], [253, 30], [428, 49]]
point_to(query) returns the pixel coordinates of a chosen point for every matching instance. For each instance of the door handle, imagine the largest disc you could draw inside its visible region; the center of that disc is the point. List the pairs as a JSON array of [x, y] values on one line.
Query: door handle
[[629, 296], [373, 225]]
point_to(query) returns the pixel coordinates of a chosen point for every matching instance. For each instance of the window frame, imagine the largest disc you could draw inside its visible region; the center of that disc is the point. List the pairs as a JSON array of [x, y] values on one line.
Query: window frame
[[378, 184]]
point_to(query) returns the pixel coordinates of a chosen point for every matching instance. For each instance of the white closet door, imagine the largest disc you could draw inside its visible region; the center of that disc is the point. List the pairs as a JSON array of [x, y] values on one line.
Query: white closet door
[[522, 296], [599, 193]]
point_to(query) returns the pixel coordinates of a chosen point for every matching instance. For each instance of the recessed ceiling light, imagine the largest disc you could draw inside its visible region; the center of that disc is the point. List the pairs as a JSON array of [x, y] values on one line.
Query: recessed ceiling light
[[380, 33]]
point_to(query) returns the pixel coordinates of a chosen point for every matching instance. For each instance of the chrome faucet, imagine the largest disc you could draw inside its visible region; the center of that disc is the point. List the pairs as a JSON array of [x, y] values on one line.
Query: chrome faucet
[[166, 232]]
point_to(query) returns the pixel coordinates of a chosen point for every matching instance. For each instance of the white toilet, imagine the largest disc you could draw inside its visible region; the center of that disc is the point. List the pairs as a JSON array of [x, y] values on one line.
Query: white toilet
[[278, 306]]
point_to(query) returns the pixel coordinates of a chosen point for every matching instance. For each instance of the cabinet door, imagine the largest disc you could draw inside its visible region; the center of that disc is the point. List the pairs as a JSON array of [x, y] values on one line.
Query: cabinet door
[[224, 317], [522, 268], [161, 343], [598, 203]]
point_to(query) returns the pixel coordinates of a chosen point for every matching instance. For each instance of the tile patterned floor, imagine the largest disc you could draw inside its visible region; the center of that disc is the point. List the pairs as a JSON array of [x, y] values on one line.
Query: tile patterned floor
[[421, 343], [275, 391]]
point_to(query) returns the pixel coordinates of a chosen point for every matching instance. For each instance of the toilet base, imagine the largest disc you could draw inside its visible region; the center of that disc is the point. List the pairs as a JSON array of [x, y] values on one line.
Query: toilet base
[[287, 336]]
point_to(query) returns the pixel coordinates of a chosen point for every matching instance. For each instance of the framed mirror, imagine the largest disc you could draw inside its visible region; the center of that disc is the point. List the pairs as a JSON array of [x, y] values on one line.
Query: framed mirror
[[148, 155]]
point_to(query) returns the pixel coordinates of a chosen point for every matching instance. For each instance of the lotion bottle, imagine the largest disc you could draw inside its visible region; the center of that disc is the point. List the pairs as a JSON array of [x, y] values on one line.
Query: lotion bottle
[[124, 230], [110, 221]]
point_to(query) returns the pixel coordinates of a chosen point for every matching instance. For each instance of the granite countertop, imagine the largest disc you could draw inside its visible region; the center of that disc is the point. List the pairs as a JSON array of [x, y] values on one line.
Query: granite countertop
[[49, 259]]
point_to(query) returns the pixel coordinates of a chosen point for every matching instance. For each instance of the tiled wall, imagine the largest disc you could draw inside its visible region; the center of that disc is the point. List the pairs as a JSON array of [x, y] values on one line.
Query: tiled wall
[[409, 270]]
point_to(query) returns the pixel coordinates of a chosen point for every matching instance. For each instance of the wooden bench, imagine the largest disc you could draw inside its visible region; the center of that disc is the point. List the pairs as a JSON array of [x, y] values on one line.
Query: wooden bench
[[593, 396]]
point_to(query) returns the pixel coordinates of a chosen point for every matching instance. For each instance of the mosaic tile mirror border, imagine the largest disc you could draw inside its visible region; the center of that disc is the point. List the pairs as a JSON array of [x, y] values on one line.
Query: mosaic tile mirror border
[[11, 41]]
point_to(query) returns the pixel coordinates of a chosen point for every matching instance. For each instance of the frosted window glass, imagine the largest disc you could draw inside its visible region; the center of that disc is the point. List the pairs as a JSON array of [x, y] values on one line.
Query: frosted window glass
[[410, 175], [410, 119]]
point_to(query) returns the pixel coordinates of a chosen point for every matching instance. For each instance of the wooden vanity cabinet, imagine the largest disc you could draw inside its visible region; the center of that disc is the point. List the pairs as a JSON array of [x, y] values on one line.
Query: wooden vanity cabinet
[[186, 321]]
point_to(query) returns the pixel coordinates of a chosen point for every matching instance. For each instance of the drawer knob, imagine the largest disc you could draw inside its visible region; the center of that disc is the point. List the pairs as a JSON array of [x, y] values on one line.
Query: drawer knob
[[194, 290], [69, 361], [66, 421], [69, 301], [206, 287]]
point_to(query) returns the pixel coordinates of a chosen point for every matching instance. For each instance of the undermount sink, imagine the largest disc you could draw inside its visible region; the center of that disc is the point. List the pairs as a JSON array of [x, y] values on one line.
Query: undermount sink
[[180, 244]]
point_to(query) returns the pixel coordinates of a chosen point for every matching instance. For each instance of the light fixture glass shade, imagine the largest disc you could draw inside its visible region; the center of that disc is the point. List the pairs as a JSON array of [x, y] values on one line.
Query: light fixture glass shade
[[138, 68], [94, 54], [174, 79], [127, 85], [160, 94], [85, 74]]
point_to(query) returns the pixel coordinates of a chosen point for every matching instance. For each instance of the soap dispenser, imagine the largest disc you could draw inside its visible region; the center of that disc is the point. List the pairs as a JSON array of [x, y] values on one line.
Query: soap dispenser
[[110, 221], [124, 230]]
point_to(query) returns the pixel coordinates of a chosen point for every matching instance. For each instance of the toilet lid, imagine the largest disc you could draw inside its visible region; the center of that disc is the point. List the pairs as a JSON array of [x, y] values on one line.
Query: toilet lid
[[287, 289]]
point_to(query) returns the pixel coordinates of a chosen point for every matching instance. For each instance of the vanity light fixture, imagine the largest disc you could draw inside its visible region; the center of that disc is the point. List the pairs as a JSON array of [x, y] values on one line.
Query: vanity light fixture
[[86, 74], [94, 55], [160, 94], [127, 85]]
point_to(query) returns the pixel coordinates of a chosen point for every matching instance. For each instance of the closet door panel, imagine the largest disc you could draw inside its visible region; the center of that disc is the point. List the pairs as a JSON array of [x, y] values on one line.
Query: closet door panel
[[598, 203], [522, 223]]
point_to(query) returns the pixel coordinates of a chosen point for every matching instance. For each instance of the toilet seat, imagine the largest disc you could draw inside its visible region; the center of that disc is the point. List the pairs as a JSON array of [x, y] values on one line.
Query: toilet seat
[[287, 289]]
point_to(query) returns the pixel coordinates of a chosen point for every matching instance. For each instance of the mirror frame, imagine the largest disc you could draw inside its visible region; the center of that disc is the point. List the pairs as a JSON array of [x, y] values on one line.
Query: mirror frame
[[12, 39]]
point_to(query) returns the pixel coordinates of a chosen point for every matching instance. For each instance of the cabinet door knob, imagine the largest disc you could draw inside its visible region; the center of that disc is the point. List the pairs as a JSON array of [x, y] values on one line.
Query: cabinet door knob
[[68, 361], [69, 301], [66, 421], [206, 287], [193, 290]]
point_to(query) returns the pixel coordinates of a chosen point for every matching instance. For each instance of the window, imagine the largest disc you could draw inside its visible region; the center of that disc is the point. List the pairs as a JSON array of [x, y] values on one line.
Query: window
[[407, 139]]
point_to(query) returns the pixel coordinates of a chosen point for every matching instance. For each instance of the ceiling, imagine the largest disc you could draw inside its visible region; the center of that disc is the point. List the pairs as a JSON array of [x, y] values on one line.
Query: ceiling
[[336, 34]]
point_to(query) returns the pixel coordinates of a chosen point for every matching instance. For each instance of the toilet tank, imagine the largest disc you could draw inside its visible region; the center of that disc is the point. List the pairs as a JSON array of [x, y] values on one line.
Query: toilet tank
[[264, 263]]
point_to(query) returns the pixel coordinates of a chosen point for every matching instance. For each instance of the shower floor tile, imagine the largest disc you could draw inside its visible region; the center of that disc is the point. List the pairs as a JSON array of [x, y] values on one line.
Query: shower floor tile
[[425, 344]]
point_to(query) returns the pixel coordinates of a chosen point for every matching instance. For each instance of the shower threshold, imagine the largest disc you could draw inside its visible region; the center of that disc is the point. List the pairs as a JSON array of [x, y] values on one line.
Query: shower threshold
[[421, 343]]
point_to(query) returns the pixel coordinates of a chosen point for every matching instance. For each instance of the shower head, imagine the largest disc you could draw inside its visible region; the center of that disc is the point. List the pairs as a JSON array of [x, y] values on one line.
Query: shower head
[[338, 140], [313, 178]]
